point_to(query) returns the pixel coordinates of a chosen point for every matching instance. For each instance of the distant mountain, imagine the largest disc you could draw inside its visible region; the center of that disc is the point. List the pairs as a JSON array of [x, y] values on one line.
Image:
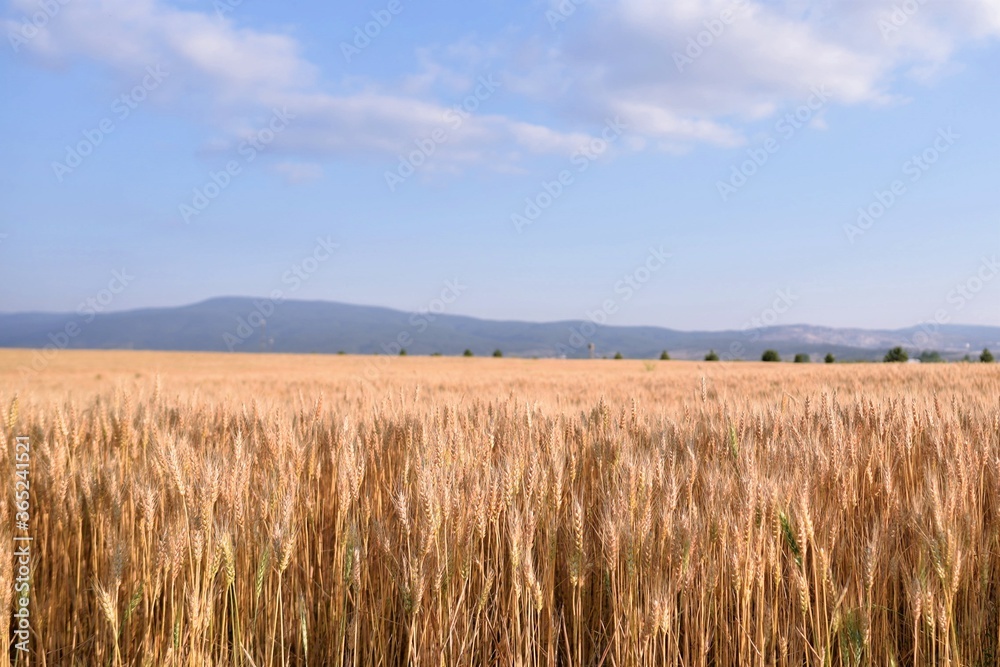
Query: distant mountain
[[251, 325]]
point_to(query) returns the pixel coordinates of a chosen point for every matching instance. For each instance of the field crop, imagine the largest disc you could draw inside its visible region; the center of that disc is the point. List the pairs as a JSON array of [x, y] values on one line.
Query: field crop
[[196, 509]]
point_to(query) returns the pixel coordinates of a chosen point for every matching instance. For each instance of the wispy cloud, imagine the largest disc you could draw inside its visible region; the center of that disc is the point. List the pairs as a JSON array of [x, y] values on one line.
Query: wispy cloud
[[232, 76], [608, 59], [298, 173], [697, 71]]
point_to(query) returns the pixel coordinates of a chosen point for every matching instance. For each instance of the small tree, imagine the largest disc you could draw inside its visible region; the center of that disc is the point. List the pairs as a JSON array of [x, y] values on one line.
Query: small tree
[[930, 357], [402, 352], [770, 355], [896, 355], [986, 357], [829, 358], [618, 355], [467, 353], [711, 356], [802, 358], [497, 353], [664, 356]]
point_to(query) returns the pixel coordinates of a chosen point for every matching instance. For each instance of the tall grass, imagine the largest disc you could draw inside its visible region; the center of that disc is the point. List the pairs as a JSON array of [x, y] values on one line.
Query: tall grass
[[804, 529]]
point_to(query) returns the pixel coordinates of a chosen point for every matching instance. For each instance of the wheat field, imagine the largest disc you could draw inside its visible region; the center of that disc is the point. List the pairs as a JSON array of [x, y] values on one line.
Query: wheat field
[[202, 509]]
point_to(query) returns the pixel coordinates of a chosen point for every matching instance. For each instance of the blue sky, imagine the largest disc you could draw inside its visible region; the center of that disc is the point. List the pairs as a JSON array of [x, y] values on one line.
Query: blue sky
[[204, 148]]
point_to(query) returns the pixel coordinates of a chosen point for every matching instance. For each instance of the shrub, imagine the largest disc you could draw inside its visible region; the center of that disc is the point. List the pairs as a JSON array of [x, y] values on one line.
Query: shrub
[[711, 356], [467, 353], [664, 356], [986, 357], [497, 353], [770, 355], [829, 358], [402, 352], [802, 358], [896, 355], [618, 355]]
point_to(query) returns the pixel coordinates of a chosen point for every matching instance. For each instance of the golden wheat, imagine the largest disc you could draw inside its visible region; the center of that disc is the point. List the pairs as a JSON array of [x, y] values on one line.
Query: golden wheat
[[281, 510]]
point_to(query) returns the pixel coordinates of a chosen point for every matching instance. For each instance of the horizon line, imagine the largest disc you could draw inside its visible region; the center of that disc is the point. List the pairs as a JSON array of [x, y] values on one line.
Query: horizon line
[[206, 300]]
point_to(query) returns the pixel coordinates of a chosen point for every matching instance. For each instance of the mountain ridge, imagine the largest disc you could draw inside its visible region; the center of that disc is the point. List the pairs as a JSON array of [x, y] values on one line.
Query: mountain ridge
[[253, 324]]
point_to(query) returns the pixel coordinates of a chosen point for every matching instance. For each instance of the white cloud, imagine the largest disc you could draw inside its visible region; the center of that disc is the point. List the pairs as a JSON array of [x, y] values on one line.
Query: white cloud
[[607, 59], [128, 35], [699, 70], [233, 77], [298, 173]]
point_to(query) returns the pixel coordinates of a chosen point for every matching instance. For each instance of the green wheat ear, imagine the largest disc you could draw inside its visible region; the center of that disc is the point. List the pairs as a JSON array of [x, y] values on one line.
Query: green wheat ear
[[786, 529], [132, 604], [734, 446], [852, 637], [258, 586]]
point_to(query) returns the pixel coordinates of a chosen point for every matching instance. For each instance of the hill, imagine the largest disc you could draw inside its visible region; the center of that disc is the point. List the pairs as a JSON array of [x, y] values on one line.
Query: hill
[[241, 324]]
